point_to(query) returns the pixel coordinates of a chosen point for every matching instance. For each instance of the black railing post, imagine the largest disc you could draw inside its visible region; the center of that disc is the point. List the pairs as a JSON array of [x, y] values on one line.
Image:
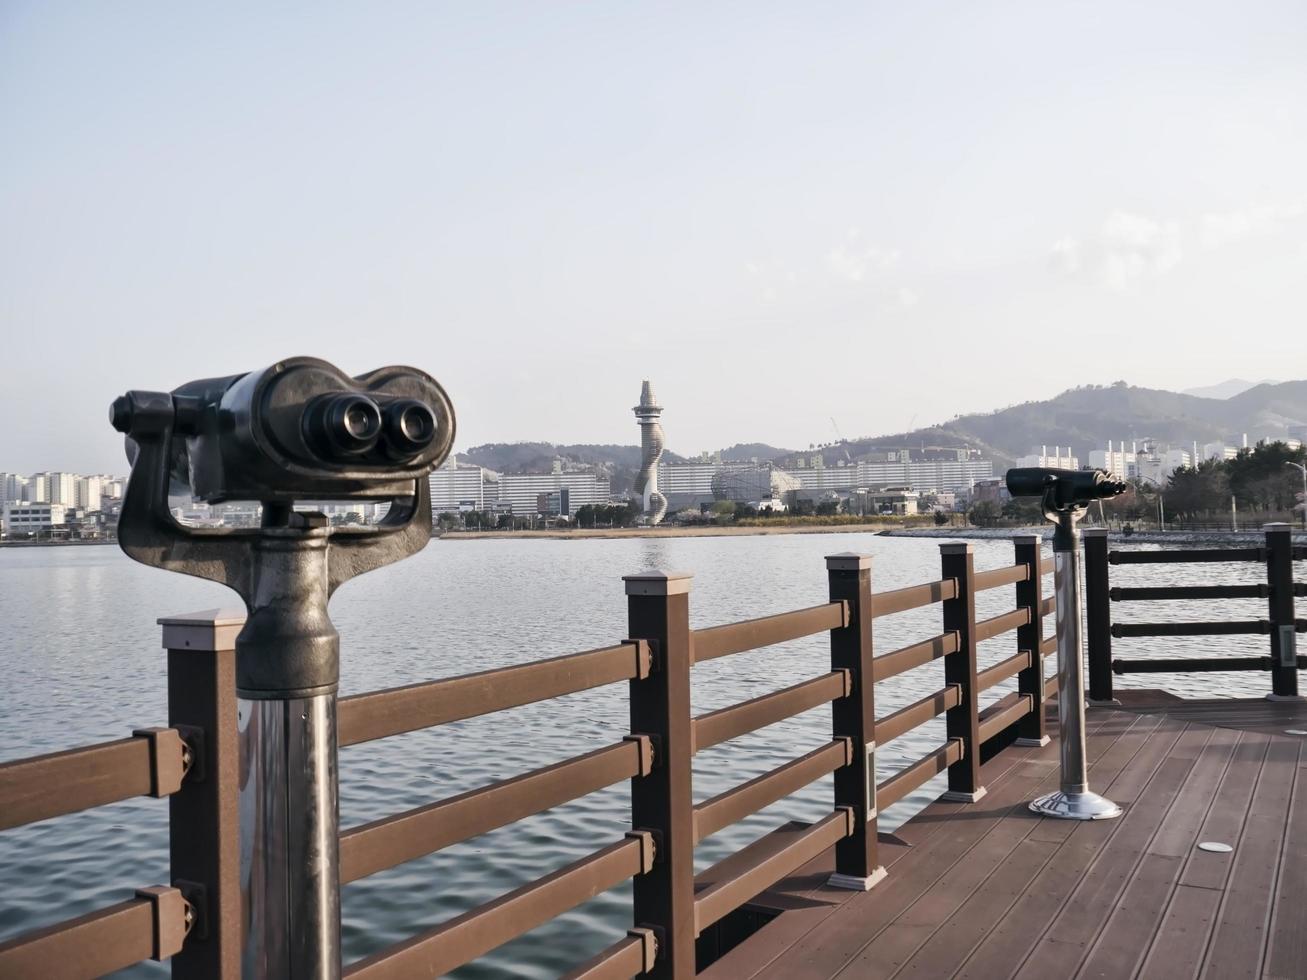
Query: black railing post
[[963, 721], [1030, 596], [1098, 616], [658, 610], [857, 865], [1279, 579], [203, 825]]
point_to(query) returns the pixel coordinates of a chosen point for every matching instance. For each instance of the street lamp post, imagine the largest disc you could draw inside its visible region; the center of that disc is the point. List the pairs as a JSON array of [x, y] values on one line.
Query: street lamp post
[[1303, 470]]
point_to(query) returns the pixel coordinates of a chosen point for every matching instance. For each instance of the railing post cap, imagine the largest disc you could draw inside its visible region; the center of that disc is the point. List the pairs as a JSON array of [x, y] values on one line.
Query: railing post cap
[[1094, 532], [207, 630], [956, 548], [658, 583], [1277, 527], [1028, 538], [847, 561]]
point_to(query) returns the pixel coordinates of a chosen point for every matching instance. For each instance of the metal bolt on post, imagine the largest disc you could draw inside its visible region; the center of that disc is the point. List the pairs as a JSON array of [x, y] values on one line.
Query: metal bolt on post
[[298, 430], [1065, 496]]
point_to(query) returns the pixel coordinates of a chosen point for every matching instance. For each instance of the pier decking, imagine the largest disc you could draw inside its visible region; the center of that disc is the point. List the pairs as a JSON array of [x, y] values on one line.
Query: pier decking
[[989, 889]]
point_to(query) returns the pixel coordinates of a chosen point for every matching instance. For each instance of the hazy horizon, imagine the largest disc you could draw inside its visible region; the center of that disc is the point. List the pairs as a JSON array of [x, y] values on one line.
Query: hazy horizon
[[881, 214]]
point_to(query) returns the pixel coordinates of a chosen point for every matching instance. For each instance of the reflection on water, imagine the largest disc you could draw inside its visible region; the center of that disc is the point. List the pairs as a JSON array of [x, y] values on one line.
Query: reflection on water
[[80, 654]]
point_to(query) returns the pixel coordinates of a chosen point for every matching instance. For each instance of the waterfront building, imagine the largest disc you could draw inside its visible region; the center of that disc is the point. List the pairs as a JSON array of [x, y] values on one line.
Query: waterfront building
[[900, 501], [27, 517], [38, 488], [12, 488], [520, 492], [88, 493], [1057, 460], [1121, 463], [1155, 466], [753, 484], [459, 487], [687, 478]]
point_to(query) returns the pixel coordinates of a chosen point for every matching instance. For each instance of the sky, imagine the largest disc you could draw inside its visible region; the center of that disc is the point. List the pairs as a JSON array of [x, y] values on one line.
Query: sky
[[881, 214]]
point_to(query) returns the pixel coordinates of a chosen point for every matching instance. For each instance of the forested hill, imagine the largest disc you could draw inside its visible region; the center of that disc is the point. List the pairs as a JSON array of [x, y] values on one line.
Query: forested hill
[[1086, 418], [538, 457]]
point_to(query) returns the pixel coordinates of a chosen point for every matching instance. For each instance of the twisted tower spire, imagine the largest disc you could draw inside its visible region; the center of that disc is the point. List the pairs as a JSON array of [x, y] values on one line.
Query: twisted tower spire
[[647, 413]]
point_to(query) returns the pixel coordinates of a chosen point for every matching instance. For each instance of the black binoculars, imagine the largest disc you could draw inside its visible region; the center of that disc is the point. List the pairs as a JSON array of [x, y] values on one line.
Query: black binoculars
[[1063, 489], [300, 429]]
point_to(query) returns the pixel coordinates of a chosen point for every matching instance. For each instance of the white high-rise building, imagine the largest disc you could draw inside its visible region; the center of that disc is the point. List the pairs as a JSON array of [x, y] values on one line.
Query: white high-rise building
[[1120, 462], [88, 492], [1057, 460], [462, 486], [13, 488], [523, 490], [63, 489]]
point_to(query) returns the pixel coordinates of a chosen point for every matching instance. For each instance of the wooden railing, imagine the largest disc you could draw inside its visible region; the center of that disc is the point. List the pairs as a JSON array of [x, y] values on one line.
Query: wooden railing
[[196, 919], [1278, 554]]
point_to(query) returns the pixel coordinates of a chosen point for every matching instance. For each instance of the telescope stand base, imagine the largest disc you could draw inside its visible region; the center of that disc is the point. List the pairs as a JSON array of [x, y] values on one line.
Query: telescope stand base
[[1075, 806], [856, 883], [1033, 743]]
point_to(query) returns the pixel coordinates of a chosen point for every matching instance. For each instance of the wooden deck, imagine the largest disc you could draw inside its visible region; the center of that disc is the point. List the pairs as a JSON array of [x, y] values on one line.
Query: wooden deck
[[990, 890]]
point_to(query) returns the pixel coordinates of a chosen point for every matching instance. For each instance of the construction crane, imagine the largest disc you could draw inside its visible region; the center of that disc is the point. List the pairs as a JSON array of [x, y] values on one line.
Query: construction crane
[[840, 440]]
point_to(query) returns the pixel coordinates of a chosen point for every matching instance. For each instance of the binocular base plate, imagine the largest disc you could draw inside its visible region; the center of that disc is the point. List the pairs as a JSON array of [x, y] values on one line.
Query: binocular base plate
[[1075, 806]]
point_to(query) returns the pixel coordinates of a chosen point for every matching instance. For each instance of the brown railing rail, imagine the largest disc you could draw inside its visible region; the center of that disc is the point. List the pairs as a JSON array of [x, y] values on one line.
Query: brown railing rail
[[1279, 553], [193, 762]]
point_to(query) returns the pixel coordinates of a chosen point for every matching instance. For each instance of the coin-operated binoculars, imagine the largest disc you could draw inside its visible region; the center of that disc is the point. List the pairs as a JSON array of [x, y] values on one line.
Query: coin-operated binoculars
[[298, 430], [1065, 495]]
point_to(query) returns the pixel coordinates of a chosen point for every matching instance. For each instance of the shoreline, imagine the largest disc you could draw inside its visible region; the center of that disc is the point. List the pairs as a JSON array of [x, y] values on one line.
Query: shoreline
[[671, 532]]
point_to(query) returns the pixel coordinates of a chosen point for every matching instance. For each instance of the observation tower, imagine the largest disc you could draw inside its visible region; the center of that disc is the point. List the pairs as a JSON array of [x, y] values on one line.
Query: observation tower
[[647, 413]]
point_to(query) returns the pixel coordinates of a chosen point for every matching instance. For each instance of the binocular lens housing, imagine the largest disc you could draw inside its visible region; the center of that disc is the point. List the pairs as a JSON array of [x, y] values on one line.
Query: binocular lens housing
[[410, 427], [346, 424], [1065, 487]]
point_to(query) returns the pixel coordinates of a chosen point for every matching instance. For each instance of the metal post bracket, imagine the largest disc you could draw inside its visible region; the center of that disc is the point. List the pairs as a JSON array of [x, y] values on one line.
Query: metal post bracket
[[172, 919], [170, 758]]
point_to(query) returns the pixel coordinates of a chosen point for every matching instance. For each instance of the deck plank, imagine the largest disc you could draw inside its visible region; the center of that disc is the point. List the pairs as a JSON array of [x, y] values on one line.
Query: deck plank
[[988, 890], [1239, 939], [834, 942], [1131, 925], [1181, 940], [779, 935], [1287, 944], [1017, 932], [1078, 922]]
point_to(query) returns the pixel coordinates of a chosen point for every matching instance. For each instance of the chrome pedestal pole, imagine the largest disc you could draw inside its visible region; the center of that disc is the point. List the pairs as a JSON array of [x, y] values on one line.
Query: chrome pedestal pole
[[1073, 801], [289, 838]]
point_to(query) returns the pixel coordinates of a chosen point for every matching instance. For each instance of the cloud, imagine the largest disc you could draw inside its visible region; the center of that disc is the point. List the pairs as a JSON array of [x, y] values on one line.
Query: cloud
[[1066, 255], [1137, 247], [853, 261], [1128, 248], [908, 298], [1217, 228]]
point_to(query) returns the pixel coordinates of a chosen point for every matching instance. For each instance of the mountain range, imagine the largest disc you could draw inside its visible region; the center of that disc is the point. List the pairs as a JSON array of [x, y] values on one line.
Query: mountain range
[[1084, 418]]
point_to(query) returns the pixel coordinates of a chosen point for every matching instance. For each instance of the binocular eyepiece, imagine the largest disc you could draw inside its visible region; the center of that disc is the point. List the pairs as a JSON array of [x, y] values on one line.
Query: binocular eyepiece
[[352, 424], [1063, 488], [300, 429]]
